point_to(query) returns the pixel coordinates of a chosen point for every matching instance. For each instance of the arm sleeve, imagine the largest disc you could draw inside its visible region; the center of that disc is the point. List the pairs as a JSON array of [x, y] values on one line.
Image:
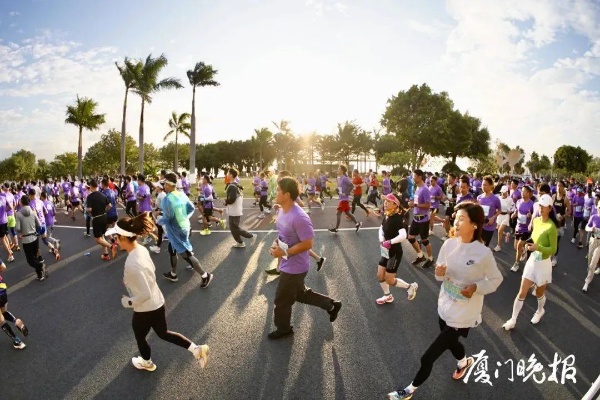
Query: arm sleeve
[[589, 227], [550, 250], [381, 237], [493, 277], [139, 286], [231, 195], [18, 223], [401, 236]]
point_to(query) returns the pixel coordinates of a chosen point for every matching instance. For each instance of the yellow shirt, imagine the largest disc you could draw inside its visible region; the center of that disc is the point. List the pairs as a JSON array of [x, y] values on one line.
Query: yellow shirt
[[545, 235]]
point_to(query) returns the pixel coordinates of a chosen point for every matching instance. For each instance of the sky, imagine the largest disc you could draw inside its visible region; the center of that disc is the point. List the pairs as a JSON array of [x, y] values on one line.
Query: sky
[[529, 69]]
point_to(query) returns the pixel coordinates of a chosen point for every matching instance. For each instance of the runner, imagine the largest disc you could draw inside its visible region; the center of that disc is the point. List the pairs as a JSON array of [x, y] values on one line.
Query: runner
[[538, 269], [357, 183], [50, 219], [66, 188], [312, 196], [578, 204], [392, 233], [4, 207], [129, 197], [160, 195], [264, 192], [41, 212], [176, 213], [256, 185], [344, 189], [207, 205], [492, 207], [420, 224], [6, 316], [234, 199], [593, 227], [450, 202], [373, 189], [295, 238], [97, 207], [10, 215], [468, 271], [503, 220], [185, 185], [28, 226], [436, 194], [145, 297], [562, 206], [515, 194], [523, 213]]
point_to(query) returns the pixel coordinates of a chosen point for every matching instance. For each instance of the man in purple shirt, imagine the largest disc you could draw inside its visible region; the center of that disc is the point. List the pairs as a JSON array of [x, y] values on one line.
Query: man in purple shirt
[[523, 213], [39, 208], [66, 188], [492, 207], [579, 222], [130, 203], [345, 187], [436, 195], [143, 195], [10, 213], [420, 224], [4, 228], [295, 239], [185, 185]]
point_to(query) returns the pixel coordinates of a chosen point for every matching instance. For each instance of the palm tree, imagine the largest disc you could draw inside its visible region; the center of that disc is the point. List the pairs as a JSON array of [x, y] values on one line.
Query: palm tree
[[179, 126], [128, 71], [202, 75], [264, 138], [146, 84], [283, 126], [83, 115]]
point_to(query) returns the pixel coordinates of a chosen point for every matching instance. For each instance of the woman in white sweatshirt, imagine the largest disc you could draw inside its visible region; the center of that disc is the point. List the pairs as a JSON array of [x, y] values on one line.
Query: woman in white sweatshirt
[[145, 297], [392, 233], [468, 271]]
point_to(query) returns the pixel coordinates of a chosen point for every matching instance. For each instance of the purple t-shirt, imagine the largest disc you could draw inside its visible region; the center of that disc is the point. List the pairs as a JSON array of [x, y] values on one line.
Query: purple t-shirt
[[185, 185], [577, 204], [264, 187], [490, 204], [523, 208], [74, 194], [129, 192], [10, 203], [594, 221], [435, 191], [588, 206], [386, 186], [256, 184], [207, 193], [422, 196], [516, 195], [50, 213], [345, 187], [3, 215], [66, 187], [312, 183], [144, 204], [294, 227], [460, 198], [38, 206]]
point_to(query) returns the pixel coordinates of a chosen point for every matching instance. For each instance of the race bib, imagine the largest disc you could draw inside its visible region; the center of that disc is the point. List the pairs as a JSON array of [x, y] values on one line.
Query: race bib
[[447, 203], [522, 218], [586, 212], [578, 209], [453, 291], [537, 256], [449, 192], [486, 210], [385, 253]]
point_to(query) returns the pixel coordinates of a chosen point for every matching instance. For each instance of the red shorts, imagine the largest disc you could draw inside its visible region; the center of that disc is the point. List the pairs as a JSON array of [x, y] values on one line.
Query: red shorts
[[343, 206]]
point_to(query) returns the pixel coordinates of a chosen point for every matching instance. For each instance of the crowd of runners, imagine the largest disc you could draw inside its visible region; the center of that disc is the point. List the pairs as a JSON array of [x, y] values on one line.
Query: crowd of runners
[[530, 218]]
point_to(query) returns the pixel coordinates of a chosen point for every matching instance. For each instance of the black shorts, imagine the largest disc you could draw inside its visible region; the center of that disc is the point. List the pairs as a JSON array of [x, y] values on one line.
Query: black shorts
[[391, 264], [75, 203], [523, 236], [449, 210], [3, 299], [99, 226], [207, 212], [487, 236], [3, 230], [111, 219], [419, 229], [433, 211]]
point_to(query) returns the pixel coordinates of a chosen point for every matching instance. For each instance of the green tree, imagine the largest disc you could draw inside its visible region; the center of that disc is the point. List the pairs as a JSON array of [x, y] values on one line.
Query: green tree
[[264, 140], [346, 140], [179, 126], [43, 168], [20, 165], [83, 115], [105, 155], [533, 165], [64, 164], [396, 159], [129, 71], [167, 155], [572, 159], [201, 76], [418, 117], [152, 160], [287, 147], [545, 164], [146, 85]]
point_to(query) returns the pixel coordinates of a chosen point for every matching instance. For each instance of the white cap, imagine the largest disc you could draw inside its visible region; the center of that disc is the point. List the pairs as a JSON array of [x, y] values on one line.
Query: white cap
[[545, 200], [118, 231], [504, 189]]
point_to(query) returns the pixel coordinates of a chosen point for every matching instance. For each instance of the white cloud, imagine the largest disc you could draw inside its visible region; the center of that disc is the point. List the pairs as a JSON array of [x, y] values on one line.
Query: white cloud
[[321, 7], [14, 13]]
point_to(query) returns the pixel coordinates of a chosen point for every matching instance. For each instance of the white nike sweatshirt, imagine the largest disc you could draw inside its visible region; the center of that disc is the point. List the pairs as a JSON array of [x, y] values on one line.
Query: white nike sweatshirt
[[467, 263]]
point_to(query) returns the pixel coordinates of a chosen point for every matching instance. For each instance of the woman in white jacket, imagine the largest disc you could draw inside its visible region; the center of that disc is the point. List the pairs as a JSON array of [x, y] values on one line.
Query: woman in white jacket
[[145, 297], [468, 271]]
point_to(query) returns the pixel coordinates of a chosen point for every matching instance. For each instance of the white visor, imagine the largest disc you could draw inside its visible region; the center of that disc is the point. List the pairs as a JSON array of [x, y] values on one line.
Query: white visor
[[118, 231]]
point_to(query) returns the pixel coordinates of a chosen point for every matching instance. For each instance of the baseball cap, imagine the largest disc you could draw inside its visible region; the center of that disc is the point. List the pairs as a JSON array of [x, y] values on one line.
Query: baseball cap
[[545, 200], [579, 190], [504, 189], [393, 198]]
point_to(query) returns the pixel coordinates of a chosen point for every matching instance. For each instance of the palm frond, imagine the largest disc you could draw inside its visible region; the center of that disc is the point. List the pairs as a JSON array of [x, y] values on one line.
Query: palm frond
[[168, 135]]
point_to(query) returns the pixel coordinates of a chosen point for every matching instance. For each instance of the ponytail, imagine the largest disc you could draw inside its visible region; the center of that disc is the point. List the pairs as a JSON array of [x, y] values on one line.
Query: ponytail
[[141, 225]]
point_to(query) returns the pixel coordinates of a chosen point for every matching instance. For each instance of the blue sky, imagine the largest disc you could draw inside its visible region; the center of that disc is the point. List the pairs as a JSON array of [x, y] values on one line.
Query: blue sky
[[528, 69]]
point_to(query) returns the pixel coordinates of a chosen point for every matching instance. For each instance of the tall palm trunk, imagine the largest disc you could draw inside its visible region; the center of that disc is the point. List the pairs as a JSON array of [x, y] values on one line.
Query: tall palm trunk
[[141, 140], [80, 154], [123, 161], [192, 134], [176, 162]]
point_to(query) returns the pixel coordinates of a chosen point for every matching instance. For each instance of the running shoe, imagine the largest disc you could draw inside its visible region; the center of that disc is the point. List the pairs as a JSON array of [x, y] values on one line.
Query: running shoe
[[580, 245], [169, 276], [515, 267], [322, 206], [497, 248], [87, 235], [401, 395], [205, 232], [223, 223], [554, 261], [333, 230], [201, 355], [597, 271], [320, 263], [19, 249], [279, 334], [18, 344], [273, 271], [105, 257], [333, 313], [385, 299], [430, 233], [460, 372], [584, 289], [206, 281], [10, 258], [358, 225], [537, 316], [41, 278], [429, 263], [308, 211], [154, 249], [260, 216], [419, 260], [412, 290], [509, 325], [573, 241], [140, 363], [239, 245], [189, 267]]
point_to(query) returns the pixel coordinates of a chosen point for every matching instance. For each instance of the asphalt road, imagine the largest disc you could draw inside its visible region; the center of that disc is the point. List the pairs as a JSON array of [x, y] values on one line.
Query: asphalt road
[[80, 342]]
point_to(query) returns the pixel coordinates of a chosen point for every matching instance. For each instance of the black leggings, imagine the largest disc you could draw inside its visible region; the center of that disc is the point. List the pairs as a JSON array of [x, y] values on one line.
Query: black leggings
[[157, 320], [31, 251], [188, 256], [88, 222], [356, 202], [263, 203], [576, 222], [372, 198], [161, 231], [131, 208], [446, 340]]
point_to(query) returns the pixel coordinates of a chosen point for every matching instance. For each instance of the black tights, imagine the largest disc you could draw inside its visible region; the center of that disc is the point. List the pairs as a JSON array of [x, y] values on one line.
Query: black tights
[[157, 320], [188, 256], [356, 202], [446, 340], [339, 218]]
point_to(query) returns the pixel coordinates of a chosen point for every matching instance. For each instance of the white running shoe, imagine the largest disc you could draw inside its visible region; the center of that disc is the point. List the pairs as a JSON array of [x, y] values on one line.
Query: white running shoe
[[524, 256], [140, 363], [597, 271], [515, 267], [385, 299], [573, 240], [201, 355], [554, 262], [510, 324], [261, 216], [430, 233], [537, 316], [412, 290], [239, 245], [154, 249], [585, 287], [497, 248]]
